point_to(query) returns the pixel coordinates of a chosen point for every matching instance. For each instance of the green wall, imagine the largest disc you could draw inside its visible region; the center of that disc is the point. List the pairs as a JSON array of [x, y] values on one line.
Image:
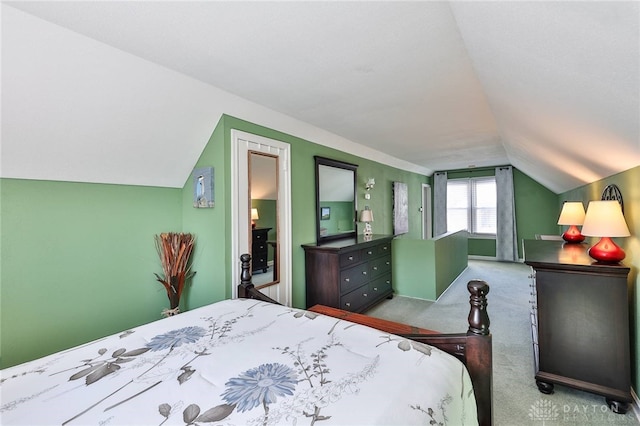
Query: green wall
[[424, 269], [340, 217], [209, 259], [268, 217], [78, 259], [537, 209], [628, 182], [303, 200], [78, 262]]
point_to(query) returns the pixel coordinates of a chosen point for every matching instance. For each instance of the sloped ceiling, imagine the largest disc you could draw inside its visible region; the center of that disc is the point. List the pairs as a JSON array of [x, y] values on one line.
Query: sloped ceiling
[[129, 92]]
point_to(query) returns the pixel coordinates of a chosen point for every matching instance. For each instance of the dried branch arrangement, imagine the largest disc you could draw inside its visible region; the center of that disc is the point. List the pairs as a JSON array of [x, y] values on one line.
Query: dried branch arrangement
[[174, 250]]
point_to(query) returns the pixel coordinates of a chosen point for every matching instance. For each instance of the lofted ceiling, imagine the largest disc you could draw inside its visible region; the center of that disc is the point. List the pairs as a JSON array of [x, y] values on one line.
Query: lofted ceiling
[[129, 92]]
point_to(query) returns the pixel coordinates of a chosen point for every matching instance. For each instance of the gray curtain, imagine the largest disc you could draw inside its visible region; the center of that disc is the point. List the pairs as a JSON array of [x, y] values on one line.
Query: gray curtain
[[506, 238], [439, 203]]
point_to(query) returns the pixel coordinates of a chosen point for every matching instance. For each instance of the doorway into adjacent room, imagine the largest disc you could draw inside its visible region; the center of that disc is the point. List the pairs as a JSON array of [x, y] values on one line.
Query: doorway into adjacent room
[[426, 211]]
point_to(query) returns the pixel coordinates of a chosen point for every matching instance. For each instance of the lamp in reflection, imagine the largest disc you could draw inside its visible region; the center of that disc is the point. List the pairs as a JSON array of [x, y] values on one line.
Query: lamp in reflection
[[366, 216], [572, 214], [570, 253], [254, 217], [605, 219]]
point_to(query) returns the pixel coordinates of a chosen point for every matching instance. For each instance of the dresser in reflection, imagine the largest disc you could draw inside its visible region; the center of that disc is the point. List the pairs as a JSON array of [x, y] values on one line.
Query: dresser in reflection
[[259, 249]]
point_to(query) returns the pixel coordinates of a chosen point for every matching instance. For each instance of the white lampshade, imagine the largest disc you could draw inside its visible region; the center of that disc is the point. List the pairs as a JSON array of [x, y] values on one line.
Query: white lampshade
[[604, 219], [572, 213], [254, 214], [366, 215]]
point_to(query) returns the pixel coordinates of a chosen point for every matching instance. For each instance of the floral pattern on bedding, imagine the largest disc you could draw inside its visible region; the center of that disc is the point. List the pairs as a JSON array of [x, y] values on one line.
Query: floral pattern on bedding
[[241, 362]]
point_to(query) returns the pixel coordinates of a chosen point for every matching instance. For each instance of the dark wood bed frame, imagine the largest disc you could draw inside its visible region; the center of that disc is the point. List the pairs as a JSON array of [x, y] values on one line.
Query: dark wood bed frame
[[473, 348]]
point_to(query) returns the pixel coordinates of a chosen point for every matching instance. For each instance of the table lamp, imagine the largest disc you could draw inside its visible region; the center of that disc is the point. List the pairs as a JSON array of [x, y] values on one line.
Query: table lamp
[[605, 219], [367, 216], [572, 214], [254, 217]]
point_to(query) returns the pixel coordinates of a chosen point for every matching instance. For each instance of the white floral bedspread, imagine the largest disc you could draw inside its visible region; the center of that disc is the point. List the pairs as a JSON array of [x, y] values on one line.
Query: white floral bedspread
[[241, 362]]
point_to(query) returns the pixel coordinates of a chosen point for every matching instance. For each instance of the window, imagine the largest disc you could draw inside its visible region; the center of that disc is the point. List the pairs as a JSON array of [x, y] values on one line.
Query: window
[[471, 205]]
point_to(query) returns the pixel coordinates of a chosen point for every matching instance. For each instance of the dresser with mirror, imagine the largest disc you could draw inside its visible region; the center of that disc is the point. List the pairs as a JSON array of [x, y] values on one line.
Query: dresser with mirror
[[343, 269]]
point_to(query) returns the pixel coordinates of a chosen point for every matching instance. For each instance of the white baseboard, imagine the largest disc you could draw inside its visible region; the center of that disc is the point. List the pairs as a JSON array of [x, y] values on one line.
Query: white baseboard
[[635, 406], [476, 257], [491, 258]]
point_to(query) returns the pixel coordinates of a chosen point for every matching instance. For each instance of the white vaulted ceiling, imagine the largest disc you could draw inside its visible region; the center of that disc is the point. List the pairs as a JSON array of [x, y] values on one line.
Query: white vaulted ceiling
[[129, 92]]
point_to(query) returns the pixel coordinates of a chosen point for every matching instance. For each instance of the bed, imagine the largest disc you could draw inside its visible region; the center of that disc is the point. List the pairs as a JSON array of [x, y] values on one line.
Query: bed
[[251, 361]]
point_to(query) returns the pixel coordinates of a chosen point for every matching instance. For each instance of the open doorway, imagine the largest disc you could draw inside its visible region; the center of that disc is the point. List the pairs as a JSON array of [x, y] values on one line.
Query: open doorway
[[426, 211]]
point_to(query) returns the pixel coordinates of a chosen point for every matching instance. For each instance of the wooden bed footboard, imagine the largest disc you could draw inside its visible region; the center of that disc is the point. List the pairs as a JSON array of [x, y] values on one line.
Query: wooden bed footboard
[[246, 289], [474, 348]]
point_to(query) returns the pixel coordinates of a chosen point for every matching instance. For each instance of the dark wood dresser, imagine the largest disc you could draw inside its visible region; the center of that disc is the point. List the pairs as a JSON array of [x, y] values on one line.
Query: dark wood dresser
[[259, 249], [351, 274], [580, 321]]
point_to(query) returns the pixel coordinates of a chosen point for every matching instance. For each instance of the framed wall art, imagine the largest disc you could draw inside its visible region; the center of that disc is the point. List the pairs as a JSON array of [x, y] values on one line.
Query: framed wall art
[[203, 187], [400, 208], [325, 213]]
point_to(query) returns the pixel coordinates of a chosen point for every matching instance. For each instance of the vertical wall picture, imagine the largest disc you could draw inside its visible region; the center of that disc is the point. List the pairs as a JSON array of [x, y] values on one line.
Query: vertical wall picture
[[325, 213], [203, 187], [400, 208]]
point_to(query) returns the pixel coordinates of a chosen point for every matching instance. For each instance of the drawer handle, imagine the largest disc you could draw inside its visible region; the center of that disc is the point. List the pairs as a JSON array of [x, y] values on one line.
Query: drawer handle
[[364, 272], [387, 263], [375, 268], [384, 248], [369, 252], [350, 257], [375, 289], [388, 282], [348, 304], [347, 280], [364, 294]]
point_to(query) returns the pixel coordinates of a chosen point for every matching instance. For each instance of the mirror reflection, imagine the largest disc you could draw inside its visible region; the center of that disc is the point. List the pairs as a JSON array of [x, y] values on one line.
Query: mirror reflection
[[335, 199], [263, 189]]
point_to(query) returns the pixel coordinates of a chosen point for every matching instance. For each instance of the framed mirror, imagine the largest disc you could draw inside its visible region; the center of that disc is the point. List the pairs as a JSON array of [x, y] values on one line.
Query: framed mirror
[[263, 237], [336, 208]]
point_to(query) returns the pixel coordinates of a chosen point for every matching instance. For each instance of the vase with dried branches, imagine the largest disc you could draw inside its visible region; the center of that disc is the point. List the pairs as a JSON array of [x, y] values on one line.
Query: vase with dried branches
[[174, 250]]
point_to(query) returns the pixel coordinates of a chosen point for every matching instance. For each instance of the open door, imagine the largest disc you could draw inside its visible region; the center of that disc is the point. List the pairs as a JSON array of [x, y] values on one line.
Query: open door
[[261, 181]]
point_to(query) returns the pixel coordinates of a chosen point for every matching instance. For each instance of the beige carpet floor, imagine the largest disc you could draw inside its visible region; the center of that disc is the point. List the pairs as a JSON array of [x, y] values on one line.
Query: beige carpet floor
[[517, 400]]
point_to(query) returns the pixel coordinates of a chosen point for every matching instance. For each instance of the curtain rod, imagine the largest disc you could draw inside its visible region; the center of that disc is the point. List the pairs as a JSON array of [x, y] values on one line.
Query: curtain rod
[[473, 169]]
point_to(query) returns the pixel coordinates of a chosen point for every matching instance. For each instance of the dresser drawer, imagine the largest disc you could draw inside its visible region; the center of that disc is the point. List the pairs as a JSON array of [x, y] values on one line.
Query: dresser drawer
[[380, 285], [351, 258], [384, 249], [369, 253], [379, 266], [356, 299], [260, 235], [353, 277]]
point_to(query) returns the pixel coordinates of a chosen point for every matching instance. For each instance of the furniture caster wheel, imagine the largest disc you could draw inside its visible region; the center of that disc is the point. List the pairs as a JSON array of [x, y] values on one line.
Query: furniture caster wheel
[[265, 269], [617, 407], [545, 388]]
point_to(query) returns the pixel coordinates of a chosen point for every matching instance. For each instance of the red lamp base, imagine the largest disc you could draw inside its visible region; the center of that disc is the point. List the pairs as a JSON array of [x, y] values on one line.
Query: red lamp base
[[606, 251], [573, 235]]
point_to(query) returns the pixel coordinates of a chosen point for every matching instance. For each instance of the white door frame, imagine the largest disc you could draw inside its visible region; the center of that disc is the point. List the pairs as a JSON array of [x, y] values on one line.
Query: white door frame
[[427, 231], [241, 144]]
